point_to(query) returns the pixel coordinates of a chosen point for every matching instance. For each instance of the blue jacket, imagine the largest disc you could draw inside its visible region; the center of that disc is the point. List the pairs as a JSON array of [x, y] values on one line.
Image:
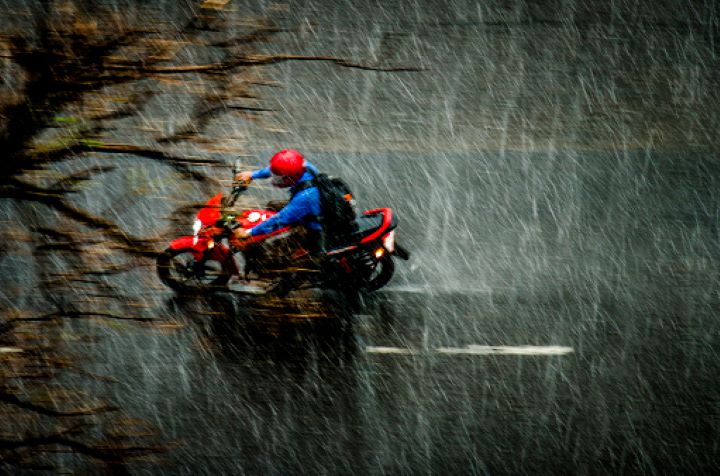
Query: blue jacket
[[303, 208]]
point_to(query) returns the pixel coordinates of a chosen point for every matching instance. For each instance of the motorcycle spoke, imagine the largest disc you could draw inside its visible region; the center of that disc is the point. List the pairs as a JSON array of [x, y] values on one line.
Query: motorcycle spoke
[[183, 265], [180, 270]]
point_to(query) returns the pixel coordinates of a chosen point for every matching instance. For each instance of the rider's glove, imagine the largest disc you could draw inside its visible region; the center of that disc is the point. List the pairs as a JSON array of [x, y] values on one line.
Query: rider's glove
[[242, 233], [244, 177]]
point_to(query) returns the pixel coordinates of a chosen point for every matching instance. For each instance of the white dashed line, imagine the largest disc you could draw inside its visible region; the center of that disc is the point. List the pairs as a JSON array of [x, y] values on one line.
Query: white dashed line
[[9, 350], [390, 350], [506, 350], [479, 350]]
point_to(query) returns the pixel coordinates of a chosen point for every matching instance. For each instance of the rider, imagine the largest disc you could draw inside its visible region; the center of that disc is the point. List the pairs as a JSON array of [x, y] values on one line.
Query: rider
[[289, 169]]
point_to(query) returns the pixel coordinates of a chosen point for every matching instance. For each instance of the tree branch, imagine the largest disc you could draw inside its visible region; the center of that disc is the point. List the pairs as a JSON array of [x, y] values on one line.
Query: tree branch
[[252, 60], [257, 36], [72, 179], [56, 200], [53, 316], [84, 146], [203, 117], [14, 400], [115, 452], [132, 106]]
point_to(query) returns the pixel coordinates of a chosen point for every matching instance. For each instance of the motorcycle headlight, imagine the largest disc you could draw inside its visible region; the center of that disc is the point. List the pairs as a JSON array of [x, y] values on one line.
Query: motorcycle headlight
[[196, 227], [389, 241]]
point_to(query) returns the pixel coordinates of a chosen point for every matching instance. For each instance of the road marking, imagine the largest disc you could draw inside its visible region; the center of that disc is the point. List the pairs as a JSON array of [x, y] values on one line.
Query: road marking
[[8, 350], [479, 350], [390, 350], [506, 350]]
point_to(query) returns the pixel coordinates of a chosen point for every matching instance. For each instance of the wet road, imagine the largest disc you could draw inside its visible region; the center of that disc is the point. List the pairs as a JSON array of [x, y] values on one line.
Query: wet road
[[244, 386], [612, 256]]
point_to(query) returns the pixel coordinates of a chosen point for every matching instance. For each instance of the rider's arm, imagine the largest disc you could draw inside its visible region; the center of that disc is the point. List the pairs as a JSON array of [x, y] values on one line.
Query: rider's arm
[[303, 204], [261, 173]]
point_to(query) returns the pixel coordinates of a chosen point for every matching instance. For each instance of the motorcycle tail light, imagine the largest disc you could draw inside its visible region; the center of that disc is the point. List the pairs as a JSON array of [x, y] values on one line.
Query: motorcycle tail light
[[389, 241], [379, 253]]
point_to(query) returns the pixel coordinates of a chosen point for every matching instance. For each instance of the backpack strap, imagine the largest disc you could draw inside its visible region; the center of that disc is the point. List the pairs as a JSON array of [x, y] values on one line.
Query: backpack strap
[[302, 186]]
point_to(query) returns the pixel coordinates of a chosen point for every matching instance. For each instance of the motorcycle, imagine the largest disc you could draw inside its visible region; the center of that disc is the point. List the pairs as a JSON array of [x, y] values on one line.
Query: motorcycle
[[209, 258]]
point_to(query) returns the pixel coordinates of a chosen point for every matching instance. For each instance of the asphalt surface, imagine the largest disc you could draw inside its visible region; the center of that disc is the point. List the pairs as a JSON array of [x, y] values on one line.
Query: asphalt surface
[[559, 329]]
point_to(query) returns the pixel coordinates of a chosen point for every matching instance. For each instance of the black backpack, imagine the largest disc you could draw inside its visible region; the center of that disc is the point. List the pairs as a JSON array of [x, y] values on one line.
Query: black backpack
[[337, 205]]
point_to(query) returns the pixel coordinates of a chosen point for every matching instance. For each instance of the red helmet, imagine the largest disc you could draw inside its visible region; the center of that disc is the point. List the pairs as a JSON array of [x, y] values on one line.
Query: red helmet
[[287, 167]]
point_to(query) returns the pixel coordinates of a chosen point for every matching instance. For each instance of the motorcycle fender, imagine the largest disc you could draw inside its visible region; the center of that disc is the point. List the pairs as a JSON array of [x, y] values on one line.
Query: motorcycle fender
[[200, 247], [196, 247]]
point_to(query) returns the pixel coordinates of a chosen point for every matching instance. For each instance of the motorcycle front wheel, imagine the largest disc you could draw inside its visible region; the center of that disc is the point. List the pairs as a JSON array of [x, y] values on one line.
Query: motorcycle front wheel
[[381, 273], [178, 269]]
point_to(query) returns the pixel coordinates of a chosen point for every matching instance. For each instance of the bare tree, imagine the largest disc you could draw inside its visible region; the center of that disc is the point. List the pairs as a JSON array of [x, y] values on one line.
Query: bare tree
[[71, 83]]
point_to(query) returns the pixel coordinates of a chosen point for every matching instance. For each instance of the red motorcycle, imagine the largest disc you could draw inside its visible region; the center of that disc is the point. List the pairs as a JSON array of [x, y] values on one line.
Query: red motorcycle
[[209, 258]]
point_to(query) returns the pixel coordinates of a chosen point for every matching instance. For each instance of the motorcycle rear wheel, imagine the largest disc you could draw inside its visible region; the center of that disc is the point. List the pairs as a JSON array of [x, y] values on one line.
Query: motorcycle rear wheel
[[177, 269]]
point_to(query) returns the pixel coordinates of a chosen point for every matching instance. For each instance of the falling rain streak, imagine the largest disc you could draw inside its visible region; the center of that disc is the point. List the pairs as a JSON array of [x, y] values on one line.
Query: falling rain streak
[[554, 169]]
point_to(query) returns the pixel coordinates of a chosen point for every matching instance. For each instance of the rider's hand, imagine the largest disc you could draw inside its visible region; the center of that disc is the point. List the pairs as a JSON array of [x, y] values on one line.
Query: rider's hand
[[244, 177], [242, 233]]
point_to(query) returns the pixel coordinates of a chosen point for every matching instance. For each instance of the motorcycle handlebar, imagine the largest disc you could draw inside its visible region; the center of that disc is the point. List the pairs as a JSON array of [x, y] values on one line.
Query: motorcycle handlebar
[[237, 189]]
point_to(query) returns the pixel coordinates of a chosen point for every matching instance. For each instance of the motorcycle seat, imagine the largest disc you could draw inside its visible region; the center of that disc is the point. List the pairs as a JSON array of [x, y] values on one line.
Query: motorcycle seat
[[367, 224]]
